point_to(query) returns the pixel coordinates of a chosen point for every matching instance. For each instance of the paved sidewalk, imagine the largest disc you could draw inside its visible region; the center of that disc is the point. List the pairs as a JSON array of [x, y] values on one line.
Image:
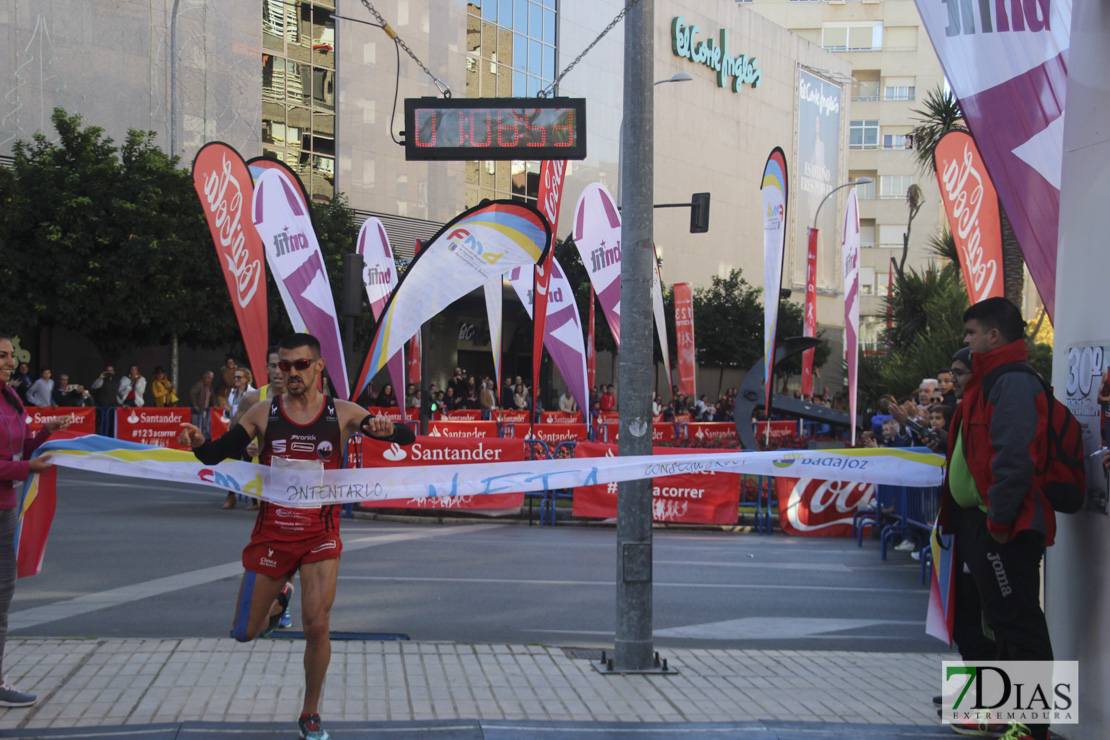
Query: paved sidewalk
[[162, 688]]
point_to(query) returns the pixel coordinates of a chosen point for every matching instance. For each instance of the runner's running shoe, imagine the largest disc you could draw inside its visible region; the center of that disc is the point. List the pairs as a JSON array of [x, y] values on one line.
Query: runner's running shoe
[[978, 728], [286, 620], [1018, 731], [310, 728], [283, 599], [10, 696]]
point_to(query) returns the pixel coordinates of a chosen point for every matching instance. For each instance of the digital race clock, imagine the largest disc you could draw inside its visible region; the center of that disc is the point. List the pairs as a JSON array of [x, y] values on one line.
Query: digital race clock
[[495, 128]]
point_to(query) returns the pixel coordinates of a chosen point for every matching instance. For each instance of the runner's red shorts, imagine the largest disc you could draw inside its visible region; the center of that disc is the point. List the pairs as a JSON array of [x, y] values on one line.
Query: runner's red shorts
[[279, 558]]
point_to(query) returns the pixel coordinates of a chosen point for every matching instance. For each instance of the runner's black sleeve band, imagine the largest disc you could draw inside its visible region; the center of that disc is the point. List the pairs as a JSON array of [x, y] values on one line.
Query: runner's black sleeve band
[[229, 446], [402, 434]]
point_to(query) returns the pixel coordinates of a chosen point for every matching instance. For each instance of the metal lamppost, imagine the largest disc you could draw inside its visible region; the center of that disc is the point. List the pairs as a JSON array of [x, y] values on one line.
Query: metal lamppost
[[676, 77]]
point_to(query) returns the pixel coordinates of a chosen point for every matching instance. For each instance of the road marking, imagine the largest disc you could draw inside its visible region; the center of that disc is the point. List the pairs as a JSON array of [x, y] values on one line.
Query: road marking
[[657, 584], [778, 628], [158, 586], [828, 567]]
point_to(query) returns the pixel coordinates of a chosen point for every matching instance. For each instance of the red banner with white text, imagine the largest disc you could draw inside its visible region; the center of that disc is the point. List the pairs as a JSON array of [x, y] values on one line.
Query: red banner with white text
[[684, 331], [971, 203], [661, 431], [778, 429], [158, 426], [390, 412], [713, 431], [462, 429], [226, 189], [820, 508], [561, 417], [444, 451], [81, 418], [809, 313], [705, 498], [553, 434]]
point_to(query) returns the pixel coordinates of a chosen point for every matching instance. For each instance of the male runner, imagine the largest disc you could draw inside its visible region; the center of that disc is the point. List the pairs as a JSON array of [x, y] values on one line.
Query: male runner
[[300, 428]]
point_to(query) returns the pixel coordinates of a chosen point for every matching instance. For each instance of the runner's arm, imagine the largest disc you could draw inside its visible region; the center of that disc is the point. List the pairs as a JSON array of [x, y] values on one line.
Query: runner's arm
[[378, 427], [231, 445]]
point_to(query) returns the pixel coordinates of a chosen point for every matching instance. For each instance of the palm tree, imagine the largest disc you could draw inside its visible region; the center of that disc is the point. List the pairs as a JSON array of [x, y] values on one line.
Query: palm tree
[[939, 115]]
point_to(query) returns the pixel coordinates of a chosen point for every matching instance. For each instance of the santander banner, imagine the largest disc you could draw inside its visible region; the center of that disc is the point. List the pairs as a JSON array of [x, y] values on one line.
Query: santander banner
[[820, 508], [445, 451], [661, 431], [462, 429], [708, 431], [971, 203], [597, 234], [81, 418], [1008, 65], [684, 331], [157, 426], [293, 254], [224, 185], [553, 434], [706, 498]]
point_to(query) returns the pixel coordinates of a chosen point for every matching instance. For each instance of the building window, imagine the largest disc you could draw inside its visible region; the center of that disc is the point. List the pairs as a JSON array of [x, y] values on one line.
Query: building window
[[863, 135], [897, 141], [511, 49], [899, 92], [867, 281], [894, 186], [298, 90], [853, 36], [866, 233]]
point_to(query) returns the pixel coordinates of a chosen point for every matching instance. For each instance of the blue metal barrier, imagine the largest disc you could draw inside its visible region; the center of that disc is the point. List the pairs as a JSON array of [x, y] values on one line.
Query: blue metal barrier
[[506, 429]]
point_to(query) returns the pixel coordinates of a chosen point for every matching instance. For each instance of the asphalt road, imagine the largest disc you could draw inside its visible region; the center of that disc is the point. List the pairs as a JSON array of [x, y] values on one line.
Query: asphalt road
[[128, 559]]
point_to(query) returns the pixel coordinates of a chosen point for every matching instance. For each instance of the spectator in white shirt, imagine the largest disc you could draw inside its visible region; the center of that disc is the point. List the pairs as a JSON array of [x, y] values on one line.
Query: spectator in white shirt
[[41, 391]]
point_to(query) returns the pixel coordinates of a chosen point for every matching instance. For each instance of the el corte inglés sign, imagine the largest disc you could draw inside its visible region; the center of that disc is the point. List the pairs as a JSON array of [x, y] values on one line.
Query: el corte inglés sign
[[715, 55]]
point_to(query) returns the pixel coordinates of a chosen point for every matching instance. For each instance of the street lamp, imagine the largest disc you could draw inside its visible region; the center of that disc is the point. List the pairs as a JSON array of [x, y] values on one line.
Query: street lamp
[[676, 77], [809, 314]]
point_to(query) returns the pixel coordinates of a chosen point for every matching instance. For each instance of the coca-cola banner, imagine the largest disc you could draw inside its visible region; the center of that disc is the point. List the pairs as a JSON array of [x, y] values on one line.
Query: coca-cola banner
[[81, 418], [820, 508], [224, 185], [971, 203], [444, 451], [549, 198], [1008, 66], [684, 337], [459, 429], [553, 434], [219, 421], [706, 498], [160, 427]]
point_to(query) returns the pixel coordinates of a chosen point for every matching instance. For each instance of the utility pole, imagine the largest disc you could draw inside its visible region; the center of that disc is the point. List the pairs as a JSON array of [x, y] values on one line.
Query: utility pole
[[634, 639]]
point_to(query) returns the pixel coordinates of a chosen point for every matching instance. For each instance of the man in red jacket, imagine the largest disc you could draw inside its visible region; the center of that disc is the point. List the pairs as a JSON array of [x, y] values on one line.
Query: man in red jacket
[[991, 498]]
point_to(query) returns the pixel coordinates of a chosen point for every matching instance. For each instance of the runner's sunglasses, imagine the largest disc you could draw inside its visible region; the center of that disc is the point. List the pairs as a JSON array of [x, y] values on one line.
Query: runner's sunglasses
[[302, 364]]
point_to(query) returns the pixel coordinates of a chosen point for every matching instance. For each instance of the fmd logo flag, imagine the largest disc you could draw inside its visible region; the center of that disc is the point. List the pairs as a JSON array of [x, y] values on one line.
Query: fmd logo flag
[[1008, 66], [775, 189], [293, 253], [480, 244]]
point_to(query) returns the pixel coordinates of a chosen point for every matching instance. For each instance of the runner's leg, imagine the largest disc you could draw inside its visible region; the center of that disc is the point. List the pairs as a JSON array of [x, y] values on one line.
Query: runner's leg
[[317, 596], [257, 603]]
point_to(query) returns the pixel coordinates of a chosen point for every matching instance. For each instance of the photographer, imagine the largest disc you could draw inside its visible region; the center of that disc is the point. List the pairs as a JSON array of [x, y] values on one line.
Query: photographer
[[67, 394], [105, 389]]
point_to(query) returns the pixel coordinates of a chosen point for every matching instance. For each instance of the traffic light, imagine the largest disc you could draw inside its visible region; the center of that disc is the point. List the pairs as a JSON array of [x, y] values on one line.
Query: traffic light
[[699, 213]]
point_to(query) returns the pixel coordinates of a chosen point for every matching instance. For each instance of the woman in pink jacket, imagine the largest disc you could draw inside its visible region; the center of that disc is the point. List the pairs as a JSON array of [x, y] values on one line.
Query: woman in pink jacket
[[16, 445]]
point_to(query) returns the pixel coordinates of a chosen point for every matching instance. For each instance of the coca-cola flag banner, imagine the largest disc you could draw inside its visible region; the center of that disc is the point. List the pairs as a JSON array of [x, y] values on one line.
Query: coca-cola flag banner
[[224, 185], [563, 327], [307, 488], [972, 207], [481, 243], [809, 312], [82, 419], [597, 235], [850, 250], [820, 508], [379, 276], [1007, 63], [703, 497], [660, 317], [295, 260], [445, 451], [774, 189], [684, 337]]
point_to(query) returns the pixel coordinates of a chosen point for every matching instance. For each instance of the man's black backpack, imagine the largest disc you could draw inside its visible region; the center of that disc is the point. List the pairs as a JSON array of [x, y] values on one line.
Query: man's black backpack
[[1064, 474]]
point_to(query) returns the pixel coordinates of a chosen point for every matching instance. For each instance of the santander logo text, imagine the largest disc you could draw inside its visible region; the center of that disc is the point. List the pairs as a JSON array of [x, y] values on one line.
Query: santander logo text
[[224, 200]]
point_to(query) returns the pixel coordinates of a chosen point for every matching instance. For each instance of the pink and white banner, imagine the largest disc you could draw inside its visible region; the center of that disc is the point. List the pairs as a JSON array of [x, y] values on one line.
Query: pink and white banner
[[597, 234], [971, 203], [379, 276], [563, 327], [684, 330], [1007, 63], [591, 355], [850, 250], [294, 257], [494, 299], [809, 312]]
